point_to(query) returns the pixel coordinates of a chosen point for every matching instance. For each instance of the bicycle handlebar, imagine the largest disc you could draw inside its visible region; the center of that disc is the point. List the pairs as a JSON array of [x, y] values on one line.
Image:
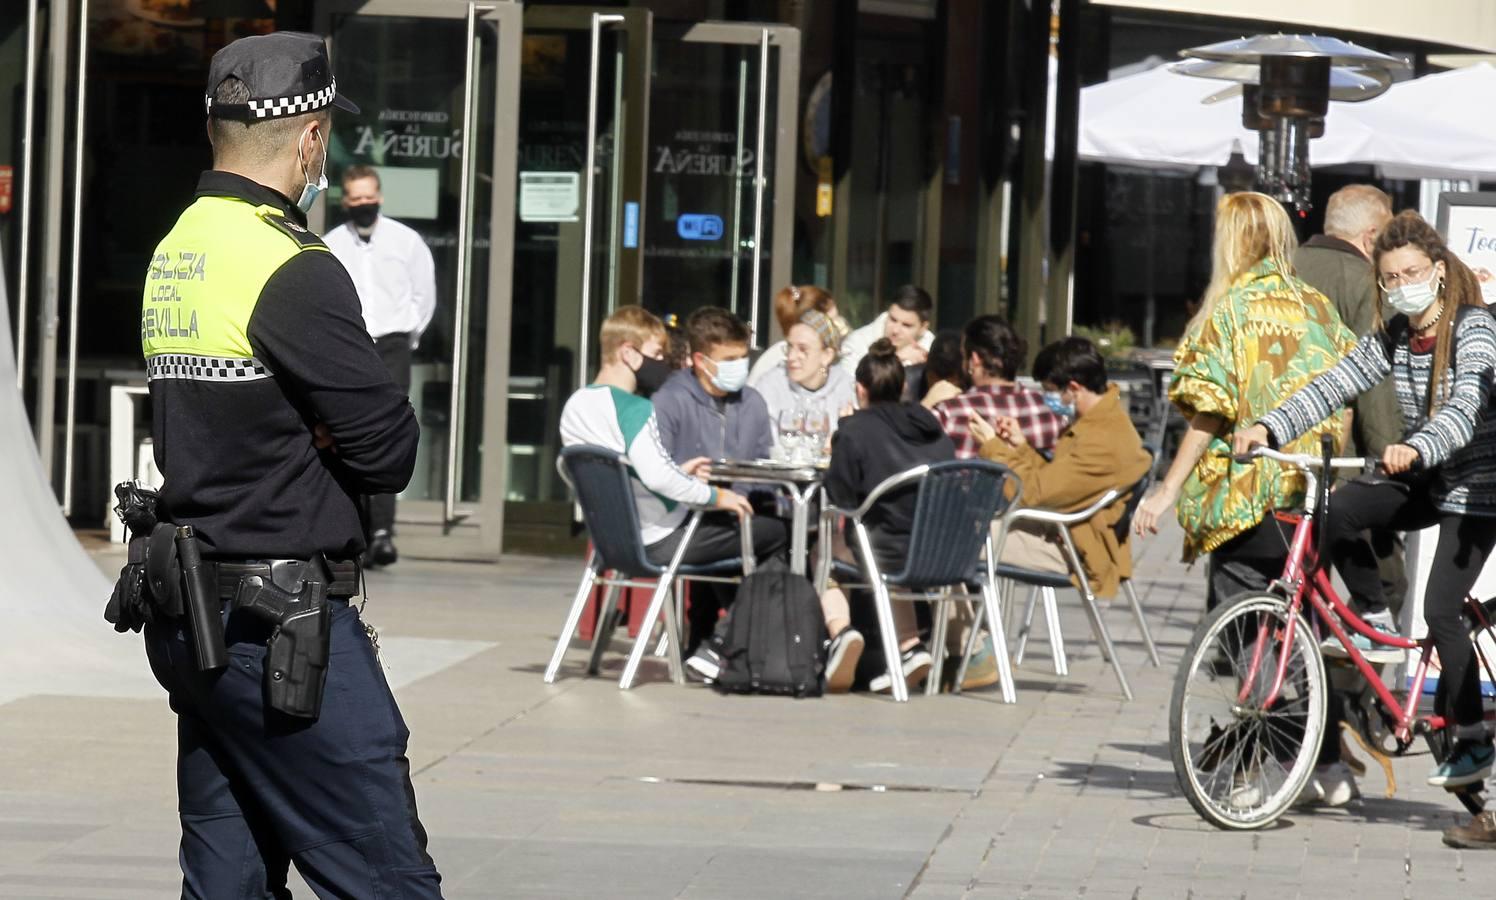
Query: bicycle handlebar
[[1306, 461]]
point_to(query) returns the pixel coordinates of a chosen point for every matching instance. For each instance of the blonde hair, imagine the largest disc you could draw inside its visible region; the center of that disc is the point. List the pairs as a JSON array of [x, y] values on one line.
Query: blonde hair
[[1249, 228], [629, 325]]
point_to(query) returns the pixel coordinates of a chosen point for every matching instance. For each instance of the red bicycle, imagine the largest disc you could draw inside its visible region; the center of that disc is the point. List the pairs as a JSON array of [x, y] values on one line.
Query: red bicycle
[[1248, 708]]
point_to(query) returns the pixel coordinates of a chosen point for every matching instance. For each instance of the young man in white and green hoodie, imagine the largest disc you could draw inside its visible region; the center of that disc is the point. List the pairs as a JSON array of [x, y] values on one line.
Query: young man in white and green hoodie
[[608, 413]]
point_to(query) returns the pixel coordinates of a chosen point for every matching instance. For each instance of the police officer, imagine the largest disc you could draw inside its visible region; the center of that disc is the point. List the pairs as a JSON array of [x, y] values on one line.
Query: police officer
[[272, 414]]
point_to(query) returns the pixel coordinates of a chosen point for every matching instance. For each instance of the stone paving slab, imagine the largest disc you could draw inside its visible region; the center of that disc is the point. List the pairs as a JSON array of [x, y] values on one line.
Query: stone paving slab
[[579, 790]]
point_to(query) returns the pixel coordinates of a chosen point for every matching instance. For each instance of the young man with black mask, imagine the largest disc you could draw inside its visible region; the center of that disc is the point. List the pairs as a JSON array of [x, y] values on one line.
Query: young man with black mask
[[609, 413]]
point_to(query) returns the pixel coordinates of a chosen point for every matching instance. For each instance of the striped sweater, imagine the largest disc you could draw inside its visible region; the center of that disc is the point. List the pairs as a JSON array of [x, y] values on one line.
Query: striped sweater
[[1458, 441]]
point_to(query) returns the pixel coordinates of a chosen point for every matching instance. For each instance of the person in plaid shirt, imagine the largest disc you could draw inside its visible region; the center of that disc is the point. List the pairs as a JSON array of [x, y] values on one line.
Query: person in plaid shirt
[[994, 353]]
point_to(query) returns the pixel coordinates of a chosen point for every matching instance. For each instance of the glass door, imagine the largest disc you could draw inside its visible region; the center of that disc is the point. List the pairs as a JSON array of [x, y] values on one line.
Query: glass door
[[579, 224], [721, 171], [437, 83]]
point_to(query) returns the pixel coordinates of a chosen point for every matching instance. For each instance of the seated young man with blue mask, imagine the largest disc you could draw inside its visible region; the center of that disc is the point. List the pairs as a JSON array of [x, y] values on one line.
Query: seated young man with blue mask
[[1099, 450], [709, 411]]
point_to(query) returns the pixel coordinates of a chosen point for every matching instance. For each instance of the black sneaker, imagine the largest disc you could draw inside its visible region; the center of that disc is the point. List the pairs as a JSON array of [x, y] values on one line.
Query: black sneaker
[[841, 660], [916, 664], [705, 665]]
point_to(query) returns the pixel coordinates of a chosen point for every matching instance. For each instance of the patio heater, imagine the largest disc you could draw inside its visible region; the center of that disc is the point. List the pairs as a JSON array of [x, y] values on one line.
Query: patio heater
[[1287, 82]]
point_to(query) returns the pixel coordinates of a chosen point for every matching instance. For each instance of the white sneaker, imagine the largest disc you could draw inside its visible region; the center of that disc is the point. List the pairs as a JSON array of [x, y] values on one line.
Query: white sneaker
[[1337, 784], [1373, 653], [1332, 785], [1245, 792]]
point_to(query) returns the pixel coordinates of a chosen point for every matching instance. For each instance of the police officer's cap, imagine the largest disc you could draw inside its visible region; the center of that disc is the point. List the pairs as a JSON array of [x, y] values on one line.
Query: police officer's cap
[[287, 73]]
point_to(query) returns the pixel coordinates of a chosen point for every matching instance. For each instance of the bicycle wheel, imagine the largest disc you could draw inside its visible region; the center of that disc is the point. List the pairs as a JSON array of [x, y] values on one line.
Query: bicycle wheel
[[1239, 763]]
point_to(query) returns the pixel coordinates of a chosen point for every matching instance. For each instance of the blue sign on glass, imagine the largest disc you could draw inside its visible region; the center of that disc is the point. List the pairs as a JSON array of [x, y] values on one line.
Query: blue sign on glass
[[699, 227], [630, 225]]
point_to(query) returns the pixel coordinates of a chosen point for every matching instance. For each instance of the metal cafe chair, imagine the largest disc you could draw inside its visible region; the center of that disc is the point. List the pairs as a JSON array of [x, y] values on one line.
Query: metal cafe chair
[[953, 513], [1043, 585], [600, 480]]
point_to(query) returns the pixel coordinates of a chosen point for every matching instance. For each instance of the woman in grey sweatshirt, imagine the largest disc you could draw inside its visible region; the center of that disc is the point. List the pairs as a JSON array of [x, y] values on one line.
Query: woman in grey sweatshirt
[[809, 375]]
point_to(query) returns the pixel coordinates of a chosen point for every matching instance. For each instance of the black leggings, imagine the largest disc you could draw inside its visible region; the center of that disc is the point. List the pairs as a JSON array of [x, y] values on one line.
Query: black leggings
[[1465, 543]]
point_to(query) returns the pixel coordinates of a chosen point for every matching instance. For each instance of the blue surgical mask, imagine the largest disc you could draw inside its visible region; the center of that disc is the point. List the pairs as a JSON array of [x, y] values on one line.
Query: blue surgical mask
[[731, 375], [1054, 400], [311, 192]]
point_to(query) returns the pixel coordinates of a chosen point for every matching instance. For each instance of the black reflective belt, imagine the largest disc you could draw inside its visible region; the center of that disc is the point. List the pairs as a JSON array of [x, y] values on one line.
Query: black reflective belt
[[344, 577]]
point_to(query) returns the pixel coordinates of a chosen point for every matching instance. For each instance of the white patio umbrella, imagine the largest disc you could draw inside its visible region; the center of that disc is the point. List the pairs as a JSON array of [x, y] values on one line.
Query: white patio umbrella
[[1437, 126], [1160, 119]]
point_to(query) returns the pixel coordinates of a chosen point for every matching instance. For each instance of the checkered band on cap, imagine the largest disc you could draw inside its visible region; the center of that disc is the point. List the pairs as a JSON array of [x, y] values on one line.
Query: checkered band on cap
[[184, 366], [279, 107]]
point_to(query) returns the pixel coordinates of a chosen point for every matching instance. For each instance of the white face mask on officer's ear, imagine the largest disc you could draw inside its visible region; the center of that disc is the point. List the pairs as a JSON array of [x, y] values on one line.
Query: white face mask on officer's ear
[[310, 193]]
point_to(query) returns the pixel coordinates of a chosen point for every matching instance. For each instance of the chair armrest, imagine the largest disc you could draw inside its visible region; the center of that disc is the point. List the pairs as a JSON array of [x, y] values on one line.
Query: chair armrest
[[1054, 517]]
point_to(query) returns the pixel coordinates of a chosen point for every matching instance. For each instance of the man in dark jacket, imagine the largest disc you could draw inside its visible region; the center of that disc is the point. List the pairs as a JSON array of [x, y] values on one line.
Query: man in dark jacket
[[709, 410], [1338, 264]]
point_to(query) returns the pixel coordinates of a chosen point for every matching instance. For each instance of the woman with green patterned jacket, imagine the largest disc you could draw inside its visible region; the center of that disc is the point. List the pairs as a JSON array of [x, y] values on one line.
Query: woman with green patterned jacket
[[1260, 335]]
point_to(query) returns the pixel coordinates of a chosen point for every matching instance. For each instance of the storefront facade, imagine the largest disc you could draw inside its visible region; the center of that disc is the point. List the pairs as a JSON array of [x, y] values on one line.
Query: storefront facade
[[560, 160]]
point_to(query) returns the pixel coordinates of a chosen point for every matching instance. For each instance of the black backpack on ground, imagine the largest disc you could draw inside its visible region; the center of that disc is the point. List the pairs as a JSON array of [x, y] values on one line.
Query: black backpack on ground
[[773, 639]]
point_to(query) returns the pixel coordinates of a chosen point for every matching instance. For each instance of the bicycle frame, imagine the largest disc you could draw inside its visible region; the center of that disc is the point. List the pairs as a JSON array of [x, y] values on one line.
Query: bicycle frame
[[1305, 581]]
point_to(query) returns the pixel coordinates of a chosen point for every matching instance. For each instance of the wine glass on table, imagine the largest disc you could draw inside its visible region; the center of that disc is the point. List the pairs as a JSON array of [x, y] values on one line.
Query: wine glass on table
[[791, 426], [817, 429]]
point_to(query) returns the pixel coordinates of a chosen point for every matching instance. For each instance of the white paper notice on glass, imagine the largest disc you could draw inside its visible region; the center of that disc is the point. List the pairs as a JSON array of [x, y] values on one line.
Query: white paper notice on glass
[[549, 196], [1468, 222]]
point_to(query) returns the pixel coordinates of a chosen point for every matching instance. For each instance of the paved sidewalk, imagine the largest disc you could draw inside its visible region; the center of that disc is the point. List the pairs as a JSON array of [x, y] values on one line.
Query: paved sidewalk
[[578, 790]]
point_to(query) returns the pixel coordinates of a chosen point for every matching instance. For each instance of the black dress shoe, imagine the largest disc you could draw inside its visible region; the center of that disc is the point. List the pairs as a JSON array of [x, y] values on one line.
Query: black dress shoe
[[381, 551]]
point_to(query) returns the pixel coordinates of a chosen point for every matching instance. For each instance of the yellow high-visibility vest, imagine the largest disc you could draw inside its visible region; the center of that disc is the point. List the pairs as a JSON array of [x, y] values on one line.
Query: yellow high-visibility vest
[[205, 279]]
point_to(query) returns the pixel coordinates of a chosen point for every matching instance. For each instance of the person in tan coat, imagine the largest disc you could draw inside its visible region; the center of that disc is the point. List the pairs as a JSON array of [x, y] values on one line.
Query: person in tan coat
[[1100, 450]]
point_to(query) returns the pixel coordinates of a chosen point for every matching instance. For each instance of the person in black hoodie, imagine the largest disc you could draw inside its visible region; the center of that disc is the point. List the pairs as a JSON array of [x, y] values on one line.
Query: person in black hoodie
[[883, 438]]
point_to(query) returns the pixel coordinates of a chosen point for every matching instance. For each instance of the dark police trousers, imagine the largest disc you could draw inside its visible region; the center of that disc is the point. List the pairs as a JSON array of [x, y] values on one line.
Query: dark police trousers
[[258, 790]]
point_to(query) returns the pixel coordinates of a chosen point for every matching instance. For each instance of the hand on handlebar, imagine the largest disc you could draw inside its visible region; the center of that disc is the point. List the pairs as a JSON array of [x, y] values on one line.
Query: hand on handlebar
[[1243, 442], [1399, 458]]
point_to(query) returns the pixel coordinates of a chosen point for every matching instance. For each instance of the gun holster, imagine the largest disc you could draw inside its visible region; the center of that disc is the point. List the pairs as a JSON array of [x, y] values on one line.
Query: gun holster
[[293, 600]]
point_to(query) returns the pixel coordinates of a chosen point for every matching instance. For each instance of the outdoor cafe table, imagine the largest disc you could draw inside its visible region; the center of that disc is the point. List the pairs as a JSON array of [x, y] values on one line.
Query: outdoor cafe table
[[800, 482]]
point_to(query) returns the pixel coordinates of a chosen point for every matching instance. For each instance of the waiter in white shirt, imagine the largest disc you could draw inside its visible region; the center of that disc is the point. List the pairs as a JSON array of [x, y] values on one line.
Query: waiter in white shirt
[[396, 279]]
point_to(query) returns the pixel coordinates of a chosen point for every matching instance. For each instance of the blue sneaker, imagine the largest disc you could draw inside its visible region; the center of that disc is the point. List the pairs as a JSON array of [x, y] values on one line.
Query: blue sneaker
[[1373, 653], [1470, 762]]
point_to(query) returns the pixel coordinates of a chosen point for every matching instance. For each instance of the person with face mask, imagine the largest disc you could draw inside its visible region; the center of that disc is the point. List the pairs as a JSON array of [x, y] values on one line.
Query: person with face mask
[[710, 411], [273, 414], [392, 269], [1439, 348], [1098, 451]]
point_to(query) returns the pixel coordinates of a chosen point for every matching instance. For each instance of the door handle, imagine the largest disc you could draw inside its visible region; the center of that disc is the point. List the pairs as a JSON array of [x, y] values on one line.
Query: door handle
[[583, 342], [464, 266], [758, 182], [77, 253]]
